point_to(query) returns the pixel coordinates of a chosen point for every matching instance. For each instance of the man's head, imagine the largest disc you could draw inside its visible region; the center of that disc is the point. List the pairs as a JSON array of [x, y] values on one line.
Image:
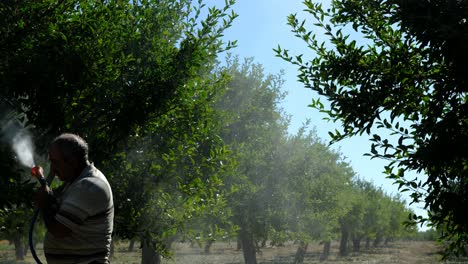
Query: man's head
[[68, 154]]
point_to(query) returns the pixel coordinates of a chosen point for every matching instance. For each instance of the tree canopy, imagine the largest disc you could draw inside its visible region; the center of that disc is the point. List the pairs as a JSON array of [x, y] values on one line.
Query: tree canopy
[[253, 128], [401, 71], [103, 68], [115, 72]]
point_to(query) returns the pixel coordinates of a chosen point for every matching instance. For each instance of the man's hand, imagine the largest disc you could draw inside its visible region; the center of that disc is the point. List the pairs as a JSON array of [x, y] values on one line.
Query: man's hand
[[38, 173], [44, 198]]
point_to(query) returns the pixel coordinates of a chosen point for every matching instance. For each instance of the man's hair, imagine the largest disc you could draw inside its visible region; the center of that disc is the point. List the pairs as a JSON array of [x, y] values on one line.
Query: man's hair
[[71, 146]]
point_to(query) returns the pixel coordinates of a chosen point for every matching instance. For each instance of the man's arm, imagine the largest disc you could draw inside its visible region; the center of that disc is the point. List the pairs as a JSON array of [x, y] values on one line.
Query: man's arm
[[56, 228], [45, 201]]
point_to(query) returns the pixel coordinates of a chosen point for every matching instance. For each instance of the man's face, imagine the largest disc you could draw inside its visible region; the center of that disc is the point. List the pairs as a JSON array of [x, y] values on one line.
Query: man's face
[[58, 165]]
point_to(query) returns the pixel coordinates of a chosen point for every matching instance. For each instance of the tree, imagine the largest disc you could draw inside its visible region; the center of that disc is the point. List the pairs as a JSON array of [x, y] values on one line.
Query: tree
[[113, 71], [406, 78], [317, 188], [372, 215], [171, 172], [352, 223], [253, 129], [398, 214], [103, 68]]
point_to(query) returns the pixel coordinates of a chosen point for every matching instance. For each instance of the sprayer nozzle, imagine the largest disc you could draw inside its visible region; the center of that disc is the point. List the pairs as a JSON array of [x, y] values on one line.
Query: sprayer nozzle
[[35, 171], [38, 173]]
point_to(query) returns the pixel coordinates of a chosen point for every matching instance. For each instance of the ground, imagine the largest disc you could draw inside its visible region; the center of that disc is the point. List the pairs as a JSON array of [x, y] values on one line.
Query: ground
[[403, 252]]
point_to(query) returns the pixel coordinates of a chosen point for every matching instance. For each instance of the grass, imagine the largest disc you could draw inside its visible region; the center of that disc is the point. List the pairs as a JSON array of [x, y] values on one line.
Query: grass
[[225, 253]]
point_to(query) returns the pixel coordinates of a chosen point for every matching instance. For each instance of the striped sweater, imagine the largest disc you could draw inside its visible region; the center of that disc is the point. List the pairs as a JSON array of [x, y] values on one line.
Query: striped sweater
[[86, 207]]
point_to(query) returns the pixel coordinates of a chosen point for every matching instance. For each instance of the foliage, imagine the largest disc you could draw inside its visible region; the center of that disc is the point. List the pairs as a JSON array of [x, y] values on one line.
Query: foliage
[[427, 235], [373, 216], [289, 187], [253, 128], [318, 187], [171, 172], [406, 78], [102, 68], [125, 76]]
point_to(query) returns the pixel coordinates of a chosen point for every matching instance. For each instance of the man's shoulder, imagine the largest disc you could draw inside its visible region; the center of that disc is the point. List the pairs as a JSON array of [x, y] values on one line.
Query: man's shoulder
[[92, 171], [92, 175], [92, 182]]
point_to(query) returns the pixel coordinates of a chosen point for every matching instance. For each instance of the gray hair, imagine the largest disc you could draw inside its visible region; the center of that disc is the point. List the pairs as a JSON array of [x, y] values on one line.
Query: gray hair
[[71, 146]]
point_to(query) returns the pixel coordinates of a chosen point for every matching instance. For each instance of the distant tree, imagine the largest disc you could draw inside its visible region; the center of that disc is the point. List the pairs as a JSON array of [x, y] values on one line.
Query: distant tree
[[353, 221], [171, 173], [398, 214], [408, 77], [317, 189], [373, 216], [253, 129], [427, 235]]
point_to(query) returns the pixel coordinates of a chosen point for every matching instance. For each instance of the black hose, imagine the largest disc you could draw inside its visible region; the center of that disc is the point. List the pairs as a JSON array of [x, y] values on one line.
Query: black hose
[[31, 243], [43, 182]]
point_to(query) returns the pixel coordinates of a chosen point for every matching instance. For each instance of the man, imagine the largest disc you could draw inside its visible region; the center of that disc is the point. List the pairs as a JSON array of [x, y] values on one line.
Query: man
[[79, 215]]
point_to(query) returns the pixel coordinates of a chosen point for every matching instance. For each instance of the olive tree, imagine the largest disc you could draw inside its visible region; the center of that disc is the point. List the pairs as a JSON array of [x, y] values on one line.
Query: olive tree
[[253, 129], [113, 71]]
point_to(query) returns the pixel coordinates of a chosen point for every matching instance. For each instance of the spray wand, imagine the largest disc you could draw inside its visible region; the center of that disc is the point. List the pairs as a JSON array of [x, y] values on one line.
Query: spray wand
[[36, 172]]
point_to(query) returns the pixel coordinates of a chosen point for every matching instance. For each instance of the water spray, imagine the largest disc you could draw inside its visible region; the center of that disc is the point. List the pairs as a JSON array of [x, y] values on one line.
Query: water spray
[[14, 133]]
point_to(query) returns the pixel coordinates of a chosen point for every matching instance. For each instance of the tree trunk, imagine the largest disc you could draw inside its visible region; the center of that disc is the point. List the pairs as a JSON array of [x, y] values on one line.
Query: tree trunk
[[131, 246], [387, 240], [196, 241], [19, 246], [378, 240], [149, 255], [264, 242], [326, 250], [344, 242], [239, 244], [26, 247], [367, 243], [208, 246], [300, 253], [248, 247], [356, 244]]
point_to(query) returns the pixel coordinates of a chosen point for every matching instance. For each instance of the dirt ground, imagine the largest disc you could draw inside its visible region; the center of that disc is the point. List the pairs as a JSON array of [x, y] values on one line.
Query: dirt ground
[[226, 253]]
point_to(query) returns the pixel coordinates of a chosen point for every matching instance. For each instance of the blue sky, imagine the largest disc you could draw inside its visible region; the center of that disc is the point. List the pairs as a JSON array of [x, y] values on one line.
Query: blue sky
[[262, 26]]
